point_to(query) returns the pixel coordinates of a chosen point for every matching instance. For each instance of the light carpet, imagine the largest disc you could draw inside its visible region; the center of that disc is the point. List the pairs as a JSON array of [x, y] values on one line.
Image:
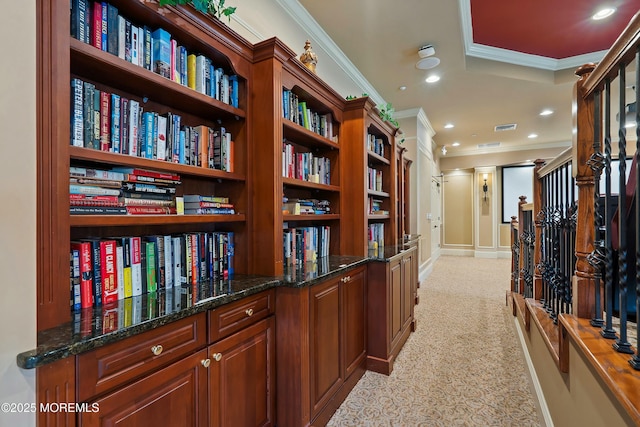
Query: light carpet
[[462, 367]]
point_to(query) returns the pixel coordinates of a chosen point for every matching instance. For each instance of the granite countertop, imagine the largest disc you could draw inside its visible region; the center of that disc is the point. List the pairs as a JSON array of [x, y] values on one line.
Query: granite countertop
[[387, 253], [95, 327]]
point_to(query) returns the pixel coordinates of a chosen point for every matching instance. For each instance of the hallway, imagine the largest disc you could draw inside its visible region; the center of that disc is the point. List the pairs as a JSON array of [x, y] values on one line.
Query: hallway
[[463, 366]]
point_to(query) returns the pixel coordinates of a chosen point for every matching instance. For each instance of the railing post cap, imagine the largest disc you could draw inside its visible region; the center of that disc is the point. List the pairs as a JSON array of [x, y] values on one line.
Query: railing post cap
[[585, 69]]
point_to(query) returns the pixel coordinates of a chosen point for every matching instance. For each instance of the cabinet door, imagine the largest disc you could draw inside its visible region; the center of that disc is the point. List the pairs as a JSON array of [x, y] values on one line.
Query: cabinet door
[[354, 320], [173, 396], [407, 288], [326, 370], [242, 377], [395, 300]]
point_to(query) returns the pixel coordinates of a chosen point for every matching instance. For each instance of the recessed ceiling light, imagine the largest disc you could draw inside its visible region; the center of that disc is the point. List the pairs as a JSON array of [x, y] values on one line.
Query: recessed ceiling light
[[532, 135], [455, 144], [432, 79], [604, 13], [402, 88], [546, 112], [448, 126]]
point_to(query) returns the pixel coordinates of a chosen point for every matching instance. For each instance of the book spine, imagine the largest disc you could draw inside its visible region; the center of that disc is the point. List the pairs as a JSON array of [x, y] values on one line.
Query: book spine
[[177, 260], [128, 40], [97, 97], [96, 26], [120, 269], [105, 121], [160, 262], [88, 189], [108, 271], [115, 123], [126, 267], [147, 50], [168, 261], [97, 273], [112, 29], [134, 111], [76, 299], [191, 71], [77, 121], [104, 26], [161, 140], [136, 267], [122, 29], [152, 282], [86, 273]]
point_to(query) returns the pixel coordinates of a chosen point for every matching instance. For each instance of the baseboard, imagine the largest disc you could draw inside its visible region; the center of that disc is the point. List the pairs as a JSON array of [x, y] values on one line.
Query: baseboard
[[544, 409], [458, 252], [486, 254], [504, 254]]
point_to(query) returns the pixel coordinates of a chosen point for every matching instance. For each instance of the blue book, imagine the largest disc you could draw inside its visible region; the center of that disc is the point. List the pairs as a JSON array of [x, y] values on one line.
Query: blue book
[[211, 84], [112, 29], [183, 65], [181, 147], [147, 50], [233, 83], [161, 41], [77, 121], [105, 35], [230, 252], [147, 133], [115, 123]]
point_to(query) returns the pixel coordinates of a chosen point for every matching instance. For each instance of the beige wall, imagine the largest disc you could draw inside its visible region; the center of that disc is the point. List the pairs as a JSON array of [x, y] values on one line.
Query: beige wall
[[574, 399], [17, 210], [505, 236]]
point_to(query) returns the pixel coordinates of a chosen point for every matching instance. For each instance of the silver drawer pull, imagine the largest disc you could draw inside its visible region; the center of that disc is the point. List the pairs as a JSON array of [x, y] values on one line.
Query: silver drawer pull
[[249, 311], [156, 349], [217, 356], [206, 362]]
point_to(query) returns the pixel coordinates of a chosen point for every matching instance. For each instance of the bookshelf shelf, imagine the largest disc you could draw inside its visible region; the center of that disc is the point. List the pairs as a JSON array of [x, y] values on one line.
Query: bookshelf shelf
[[377, 217], [115, 72], [324, 217], [378, 193], [377, 158], [292, 182], [304, 136], [142, 220], [90, 155]]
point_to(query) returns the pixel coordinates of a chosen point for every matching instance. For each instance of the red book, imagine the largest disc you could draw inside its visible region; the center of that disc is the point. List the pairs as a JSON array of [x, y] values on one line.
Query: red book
[[96, 25], [108, 270], [148, 173], [86, 273], [105, 121]]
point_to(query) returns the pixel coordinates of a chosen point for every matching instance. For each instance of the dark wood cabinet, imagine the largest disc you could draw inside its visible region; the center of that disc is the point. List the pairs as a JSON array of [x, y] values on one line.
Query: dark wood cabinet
[[321, 347], [390, 303], [173, 396], [242, 377]]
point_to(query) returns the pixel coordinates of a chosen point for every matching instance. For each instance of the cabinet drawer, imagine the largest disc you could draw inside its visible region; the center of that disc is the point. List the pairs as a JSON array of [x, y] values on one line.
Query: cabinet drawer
[[230, 318], [113, 365]]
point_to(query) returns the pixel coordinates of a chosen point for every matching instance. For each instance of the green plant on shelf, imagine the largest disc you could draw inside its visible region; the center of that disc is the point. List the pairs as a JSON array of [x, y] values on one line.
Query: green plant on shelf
[[386, 114], [213, 7], [350, 97]]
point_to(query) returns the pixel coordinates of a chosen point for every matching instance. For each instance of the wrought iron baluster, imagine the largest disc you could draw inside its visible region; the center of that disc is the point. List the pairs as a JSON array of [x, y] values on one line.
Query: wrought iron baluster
[[635, 360], [622, 344]]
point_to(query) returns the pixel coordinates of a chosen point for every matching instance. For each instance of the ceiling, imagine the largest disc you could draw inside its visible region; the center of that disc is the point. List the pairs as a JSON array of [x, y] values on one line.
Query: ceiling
[[501, 62]]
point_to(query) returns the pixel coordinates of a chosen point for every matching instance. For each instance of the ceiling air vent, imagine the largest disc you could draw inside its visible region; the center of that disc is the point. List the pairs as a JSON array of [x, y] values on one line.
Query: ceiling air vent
[[489, 145], [502, 128]]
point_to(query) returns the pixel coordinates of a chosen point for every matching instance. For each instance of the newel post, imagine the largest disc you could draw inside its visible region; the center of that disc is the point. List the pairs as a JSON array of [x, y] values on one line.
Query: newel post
[[538, 211], [521, 203], [582, 152], [515, 257]]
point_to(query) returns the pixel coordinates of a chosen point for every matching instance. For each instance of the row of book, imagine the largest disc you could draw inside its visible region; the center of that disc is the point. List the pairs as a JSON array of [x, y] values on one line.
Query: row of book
[[109, 122], [135, 310], [375, 236], [305, 206], [101, 25], [196, 204], [103, 271], [305, 244], [297, 111], [375, 144], [374, 179], [121, 191], [305, 166], [376, 207]]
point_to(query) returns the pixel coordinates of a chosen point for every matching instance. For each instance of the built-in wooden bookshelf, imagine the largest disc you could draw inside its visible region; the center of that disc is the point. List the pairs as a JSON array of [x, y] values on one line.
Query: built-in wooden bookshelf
[[287, 140], [76, 59], [372, 156]]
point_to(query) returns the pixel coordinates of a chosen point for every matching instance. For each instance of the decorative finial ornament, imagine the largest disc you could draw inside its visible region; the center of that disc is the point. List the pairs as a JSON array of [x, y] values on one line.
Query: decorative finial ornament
[[309, 58]]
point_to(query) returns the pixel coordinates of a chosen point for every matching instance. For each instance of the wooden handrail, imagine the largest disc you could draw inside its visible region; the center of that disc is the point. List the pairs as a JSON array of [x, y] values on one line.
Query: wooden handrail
[[551, 165], [622, 51]]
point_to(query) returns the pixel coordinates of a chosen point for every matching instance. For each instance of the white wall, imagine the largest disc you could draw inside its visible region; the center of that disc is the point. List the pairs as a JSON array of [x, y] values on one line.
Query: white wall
[[17, 210]]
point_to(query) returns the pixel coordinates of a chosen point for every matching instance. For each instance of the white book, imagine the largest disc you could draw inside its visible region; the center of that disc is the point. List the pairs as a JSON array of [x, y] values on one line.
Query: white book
[[121, 36], [136, 266], [201, 63], [225, 89], [161, 147], [120, 271], [218, 82], [168, 261], [135, 45]]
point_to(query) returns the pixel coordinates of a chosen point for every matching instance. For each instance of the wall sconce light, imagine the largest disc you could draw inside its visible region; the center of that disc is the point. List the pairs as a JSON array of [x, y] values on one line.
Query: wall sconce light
[[485, 187]]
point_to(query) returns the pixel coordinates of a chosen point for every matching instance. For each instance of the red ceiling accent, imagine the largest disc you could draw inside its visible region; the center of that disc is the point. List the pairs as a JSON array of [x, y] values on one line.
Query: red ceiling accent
[[551, 28]]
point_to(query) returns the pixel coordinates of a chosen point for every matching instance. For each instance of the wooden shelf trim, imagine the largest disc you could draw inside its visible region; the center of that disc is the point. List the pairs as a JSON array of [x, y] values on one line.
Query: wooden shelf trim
[[377, 193], [91, 59], [371, 217], [323, 217], [297, 132], [292, 182], [137, 220], [377, 157], [548, 330], [80, 153]]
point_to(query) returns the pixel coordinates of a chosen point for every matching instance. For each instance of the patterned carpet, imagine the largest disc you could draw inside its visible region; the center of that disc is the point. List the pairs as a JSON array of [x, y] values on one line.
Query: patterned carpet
[[462, 367]]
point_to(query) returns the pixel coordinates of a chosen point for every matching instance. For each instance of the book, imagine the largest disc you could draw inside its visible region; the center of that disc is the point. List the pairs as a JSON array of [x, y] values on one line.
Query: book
[[122, 26], [97, 210], [87, 114], [91, 189], [96, 287], [135, 45], [161, 52], [147, 50], [86, 272], [151, 254], [103, 26], [134, 111], [191, 71], [120, 268], [96, 33], [115, 123], [136, 266], [168, 261], [161, 139], [126, 267], [137, 172], [150, 210], [77, 122], [76, 301], [96, 173], [105, 121], [200, 198], [79, 10], [108, 271], [112, 29]]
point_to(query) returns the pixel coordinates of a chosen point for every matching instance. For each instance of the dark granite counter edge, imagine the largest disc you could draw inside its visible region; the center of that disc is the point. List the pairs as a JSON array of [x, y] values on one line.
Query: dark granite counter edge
[[38, 357]]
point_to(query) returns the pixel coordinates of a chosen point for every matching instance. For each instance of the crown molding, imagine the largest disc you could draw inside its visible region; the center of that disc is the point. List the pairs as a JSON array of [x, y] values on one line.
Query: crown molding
[[247, 27], [507, 149], [512, 57], [322, 40]]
